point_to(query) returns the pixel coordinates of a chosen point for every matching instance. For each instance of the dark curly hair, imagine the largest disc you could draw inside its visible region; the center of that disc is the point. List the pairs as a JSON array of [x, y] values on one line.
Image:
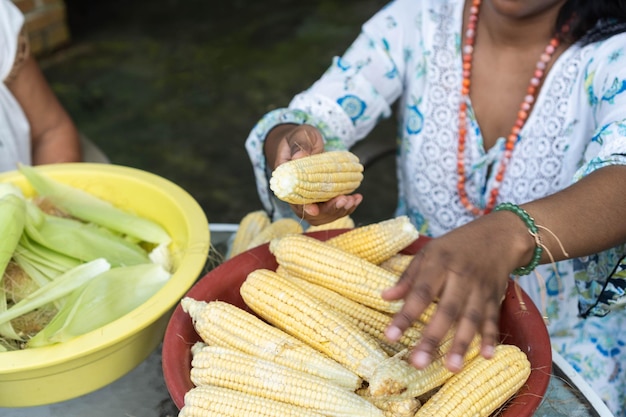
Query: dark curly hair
[[592, 20]]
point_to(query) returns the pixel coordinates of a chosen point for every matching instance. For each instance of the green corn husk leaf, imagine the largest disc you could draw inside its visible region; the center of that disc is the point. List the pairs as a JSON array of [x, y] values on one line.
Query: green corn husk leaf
[[90, 208], [57, 289], [49, 263], [12, 220], [6, 329], [106, 298], [79, 240]]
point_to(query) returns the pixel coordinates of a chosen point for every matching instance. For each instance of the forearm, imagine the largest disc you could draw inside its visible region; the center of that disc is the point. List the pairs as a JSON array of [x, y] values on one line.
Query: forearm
[[587, 217], [59, 144], [54, 137]]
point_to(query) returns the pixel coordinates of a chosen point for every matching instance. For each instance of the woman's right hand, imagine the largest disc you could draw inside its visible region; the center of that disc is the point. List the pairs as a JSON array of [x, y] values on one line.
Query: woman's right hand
[[288, 142]]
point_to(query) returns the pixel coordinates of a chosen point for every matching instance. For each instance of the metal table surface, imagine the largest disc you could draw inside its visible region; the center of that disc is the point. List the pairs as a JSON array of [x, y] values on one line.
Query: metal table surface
[[143, 393]]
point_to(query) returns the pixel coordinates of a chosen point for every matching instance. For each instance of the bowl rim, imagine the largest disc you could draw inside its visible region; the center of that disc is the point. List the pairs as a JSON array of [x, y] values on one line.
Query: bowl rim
[[151, 310], [516, 310]]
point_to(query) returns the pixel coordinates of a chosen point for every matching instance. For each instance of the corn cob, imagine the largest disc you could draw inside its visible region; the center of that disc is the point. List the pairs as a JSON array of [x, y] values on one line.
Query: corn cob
[[379, 241], [397, 375], [223, 324], [482, 386], [397, 263], [249, 227], [321, 263], [228, 368], [317, 178], [370, 321], [344, 222], [392, 406], [286, 306], [277, 228], [212, 401]]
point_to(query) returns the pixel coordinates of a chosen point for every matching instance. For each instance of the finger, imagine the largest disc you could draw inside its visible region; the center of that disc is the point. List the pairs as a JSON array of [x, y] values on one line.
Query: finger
[[305, 140], [311, 209], [403, 285], [490, 329], [469, 323], [444, 318], [419, 296]]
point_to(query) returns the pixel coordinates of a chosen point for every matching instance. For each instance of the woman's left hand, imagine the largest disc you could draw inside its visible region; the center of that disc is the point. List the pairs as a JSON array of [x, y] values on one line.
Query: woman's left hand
[[467, 272]]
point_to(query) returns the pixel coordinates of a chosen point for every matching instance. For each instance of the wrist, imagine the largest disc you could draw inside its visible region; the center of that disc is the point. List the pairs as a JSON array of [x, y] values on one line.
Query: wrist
[[526, 238]]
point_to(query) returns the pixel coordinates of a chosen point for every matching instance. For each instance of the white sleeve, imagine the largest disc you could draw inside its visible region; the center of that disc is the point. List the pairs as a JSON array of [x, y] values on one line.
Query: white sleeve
[[11, 22]]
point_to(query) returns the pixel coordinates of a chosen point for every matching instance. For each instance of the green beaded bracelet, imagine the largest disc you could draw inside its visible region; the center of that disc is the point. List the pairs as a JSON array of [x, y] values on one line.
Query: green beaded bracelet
[[532, 228]]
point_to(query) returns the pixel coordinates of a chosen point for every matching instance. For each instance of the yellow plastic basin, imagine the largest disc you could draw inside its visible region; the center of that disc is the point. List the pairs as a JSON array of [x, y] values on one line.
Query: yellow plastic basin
[[68, 370]]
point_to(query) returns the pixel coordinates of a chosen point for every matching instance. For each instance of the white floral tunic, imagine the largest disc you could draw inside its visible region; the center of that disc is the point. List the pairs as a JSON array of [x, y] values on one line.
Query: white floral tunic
[[409, 55]]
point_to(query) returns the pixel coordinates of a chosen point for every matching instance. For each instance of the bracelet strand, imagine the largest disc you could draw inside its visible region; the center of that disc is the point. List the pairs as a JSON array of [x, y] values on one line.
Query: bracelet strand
[[532, 229]]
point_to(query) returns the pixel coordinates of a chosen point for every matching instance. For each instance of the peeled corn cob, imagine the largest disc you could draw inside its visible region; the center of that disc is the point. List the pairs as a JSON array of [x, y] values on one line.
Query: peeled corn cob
[[393, 406], [370, 321], [249, 227], [223, 324], [277, 228], [379, 241], [344, 222], [321, 263], [397, 263], [212, 401], [229, 368], [317, 178], [398, 375], [482, 386], [286, 306]]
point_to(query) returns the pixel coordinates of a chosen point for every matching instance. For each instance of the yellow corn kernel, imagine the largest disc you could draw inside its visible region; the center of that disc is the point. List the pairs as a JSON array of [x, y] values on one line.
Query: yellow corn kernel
[[286, 306], [317, 178], [379, 241], [397, 263], [344, 222], [482, 386], [323, 264], [398, 377], [278, 228], [224, 367], [249, 227], [222, 324], [212, 401]]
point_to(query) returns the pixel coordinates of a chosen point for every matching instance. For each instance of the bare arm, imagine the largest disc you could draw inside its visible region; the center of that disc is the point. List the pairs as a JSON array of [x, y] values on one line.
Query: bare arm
[[468, 268], [54, 136]]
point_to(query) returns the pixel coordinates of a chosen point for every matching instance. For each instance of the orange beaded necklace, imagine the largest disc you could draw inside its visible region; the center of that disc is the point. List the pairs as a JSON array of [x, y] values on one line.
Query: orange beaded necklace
[[522, 114]]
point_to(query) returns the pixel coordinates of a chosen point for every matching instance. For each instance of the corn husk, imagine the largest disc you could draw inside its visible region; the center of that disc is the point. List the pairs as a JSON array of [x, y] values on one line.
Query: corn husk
[[57, 289], [89, 208], [101, 301], [12, 220], [79, 240]]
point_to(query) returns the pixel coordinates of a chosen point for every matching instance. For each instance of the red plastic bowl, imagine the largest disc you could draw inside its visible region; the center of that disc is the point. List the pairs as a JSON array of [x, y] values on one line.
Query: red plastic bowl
[[524, 328]]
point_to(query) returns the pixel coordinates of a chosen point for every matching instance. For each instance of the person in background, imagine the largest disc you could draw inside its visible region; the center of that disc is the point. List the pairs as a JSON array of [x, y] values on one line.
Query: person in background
[[511, 155], [35, 129]]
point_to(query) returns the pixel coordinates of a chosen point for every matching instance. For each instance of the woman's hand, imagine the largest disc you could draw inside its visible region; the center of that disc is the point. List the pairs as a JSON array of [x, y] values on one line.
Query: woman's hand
[[288, 142], [467, 272]]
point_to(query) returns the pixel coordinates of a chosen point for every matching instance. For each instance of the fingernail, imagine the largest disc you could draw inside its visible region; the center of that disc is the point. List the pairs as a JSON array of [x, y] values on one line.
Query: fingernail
[[455, 362], [488, 351], [421, 359], [393, 333]]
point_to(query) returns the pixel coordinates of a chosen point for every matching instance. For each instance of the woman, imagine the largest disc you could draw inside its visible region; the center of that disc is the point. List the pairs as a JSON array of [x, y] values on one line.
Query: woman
[[511, 154], [34, 127]]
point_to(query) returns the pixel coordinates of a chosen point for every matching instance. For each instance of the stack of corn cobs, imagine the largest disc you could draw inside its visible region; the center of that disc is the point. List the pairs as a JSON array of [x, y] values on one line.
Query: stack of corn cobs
[[315, 345]]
